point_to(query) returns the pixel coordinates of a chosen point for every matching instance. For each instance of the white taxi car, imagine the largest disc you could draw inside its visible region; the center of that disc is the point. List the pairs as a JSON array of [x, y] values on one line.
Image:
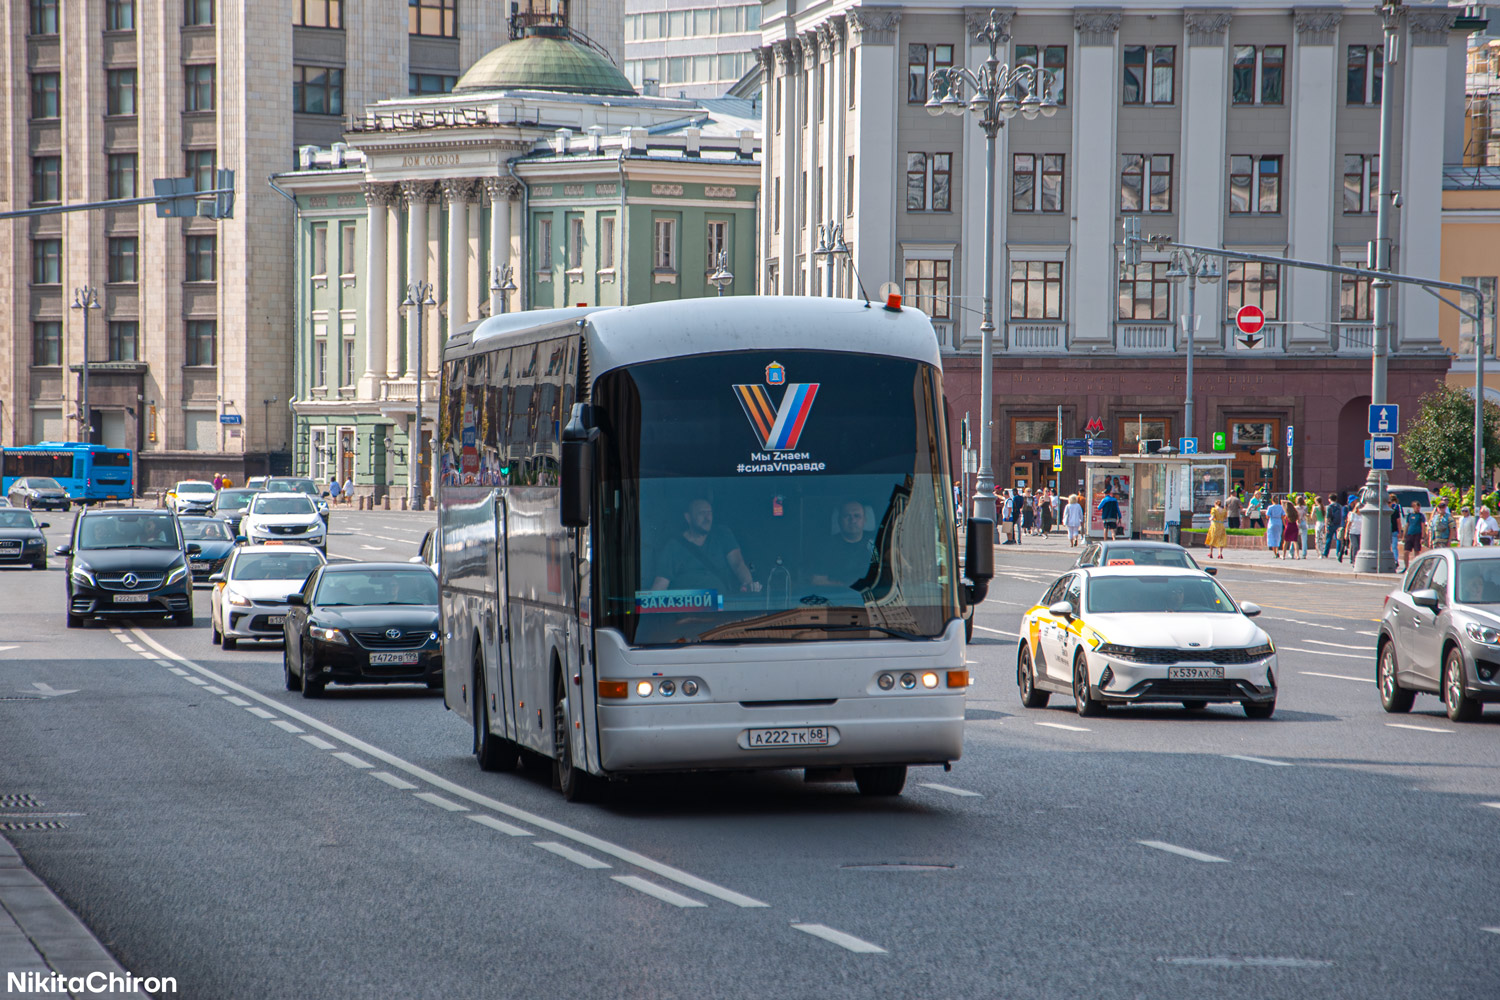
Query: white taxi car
[[284, 517], [190, 496], [249, 599], [1138, 634]]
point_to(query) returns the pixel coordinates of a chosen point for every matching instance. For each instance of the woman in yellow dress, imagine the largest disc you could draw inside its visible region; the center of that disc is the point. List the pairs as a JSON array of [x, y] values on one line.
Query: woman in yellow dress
[[1218, 529]]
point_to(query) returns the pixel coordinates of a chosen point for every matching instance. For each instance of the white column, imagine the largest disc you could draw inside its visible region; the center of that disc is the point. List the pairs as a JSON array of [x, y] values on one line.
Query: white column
[[765, 249], [787, 55], [838, 113], [1094, 94], [416, 194], [378, 199], [433, 325], [1312, 198], [1419, 238], [1205, 110], [815, 211], [456, 197], [500, 191], [394, 292], [881, 87]]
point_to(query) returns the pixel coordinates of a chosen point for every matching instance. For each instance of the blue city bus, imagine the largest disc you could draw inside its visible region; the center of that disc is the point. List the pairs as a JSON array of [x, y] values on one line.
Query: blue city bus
[[89, 472]]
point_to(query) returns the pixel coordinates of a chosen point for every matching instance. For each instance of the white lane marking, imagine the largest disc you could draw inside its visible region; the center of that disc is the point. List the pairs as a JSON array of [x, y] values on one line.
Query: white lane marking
[[149, 655], [1071, 729], [1420, 729], [1338, 645], [259, 712], [1492, 930], [196, 680], [441, 802], [841, 939], [577, 857], [392, 780], [986, 628], [1298, 621], [233, 700], [1257, 760], [283, 724], [1324, 652], [489, 821], [213, 690], [318, 742], [351, 760], [437, 781], [1370, 634], [374, 548], [1492, 805], [1289, 583], [1225, 962], [1185, 852], [1337, 677], [661, 892], [961, 792], [178, 671]]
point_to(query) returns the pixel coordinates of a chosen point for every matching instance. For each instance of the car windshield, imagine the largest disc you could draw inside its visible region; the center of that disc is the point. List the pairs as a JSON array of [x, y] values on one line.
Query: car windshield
[[12, 517], [233, 499], [206, 531], [1478, 581], [1157, 594], [282, 505], [195, 487], [292, 486], [275, 565], [397, 586], [1143, 555], [128, 531], [44, 484]]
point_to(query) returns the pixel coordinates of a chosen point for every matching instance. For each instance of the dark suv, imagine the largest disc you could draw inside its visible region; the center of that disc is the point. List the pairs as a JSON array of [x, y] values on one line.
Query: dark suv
[[128, 564]]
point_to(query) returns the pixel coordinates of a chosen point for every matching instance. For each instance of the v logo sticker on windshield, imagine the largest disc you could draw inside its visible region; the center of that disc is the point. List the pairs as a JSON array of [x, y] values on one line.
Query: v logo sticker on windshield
[[778, 428]]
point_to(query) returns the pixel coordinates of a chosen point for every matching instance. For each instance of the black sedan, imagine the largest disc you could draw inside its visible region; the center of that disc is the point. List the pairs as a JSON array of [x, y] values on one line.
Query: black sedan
[[229, 506], [363, 623], [38, 491], [215, 542], [21, 539]]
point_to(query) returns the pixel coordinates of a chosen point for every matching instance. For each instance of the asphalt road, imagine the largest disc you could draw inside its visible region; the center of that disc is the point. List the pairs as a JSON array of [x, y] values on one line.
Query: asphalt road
[[211, 826]]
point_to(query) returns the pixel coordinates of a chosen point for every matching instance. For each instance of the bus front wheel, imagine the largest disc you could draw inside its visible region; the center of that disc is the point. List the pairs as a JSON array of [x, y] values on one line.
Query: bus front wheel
[[576, 784], [880, 781]]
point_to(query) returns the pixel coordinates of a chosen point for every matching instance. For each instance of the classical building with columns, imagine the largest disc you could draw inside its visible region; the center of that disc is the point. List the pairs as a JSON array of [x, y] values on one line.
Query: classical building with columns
[[1252, 126], [542, 180]]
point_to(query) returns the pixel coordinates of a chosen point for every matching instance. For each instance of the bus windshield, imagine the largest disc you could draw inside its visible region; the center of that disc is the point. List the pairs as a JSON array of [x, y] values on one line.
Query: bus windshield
[[786, 497]]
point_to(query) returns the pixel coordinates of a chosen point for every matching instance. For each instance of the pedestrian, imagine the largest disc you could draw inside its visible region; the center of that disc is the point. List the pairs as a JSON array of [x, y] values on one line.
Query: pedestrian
[[1354, 526], [1440, 530], [333, 488], [1292, 529], [1218, 532], [1073, 519], [1415, 530], [1333, 516], [1005, 519], [1395, 515], [1485, 529], [218, 481], [1275, 514], [958, 501], [1109, 513], [1320, 523], [1232, 510], [1255, 510], [1465, 527], [1028, 512], [1045, 515], [348, 490], [1017, 502], [1304, 526]]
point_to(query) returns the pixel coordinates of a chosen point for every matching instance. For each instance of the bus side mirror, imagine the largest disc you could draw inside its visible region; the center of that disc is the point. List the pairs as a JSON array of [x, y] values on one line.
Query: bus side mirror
[[979, 558], [577, 478]]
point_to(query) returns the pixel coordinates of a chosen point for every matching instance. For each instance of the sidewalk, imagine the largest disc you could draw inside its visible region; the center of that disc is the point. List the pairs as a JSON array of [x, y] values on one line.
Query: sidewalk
[[40, 936]]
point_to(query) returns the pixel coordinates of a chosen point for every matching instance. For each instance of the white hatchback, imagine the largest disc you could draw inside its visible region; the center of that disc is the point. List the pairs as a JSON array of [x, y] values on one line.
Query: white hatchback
[[249, 599], [284, 518]]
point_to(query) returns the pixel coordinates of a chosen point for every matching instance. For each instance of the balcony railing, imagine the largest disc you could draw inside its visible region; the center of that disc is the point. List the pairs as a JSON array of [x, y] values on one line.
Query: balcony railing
[[404, 390], [944, 328], [1145, 338], [1036, 337], [1270, 340], [1354, 339]]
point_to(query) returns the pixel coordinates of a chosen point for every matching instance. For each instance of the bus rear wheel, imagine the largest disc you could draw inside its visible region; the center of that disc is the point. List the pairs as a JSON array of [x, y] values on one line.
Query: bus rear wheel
[[576, 784], [880, 781]]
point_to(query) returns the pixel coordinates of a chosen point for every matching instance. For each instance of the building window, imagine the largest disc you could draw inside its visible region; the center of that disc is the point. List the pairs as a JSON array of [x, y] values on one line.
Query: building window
[[1364, 74], [544, 244], [1258, 76], [1144, 291], [46, 342], [198, 12], [921, 60], [1145, 182], [347, 381], [320, 363], [44, 95], [318, 13], [849, 186], [46, 179], [320, 251], [1486, 287], [348, 261], [430, 83], [916, 182], [119, 15], [1249, 283], [773, 278], [1027, 179], [718, 241], [120, 92], [664, 246], [1149, 71], [1356, 300], [46, 262], [575, 243], [200, 167], [607, 243], [198, 88], [929, 182], [43, 17], [124, 251], [1361, 183], [1054, 59], [121, 179], [852, 86], [124, 340], [317, 90], [927, 286], [1255, 185], [202, 342], [432, 17], [1036, 289], [202, 257]]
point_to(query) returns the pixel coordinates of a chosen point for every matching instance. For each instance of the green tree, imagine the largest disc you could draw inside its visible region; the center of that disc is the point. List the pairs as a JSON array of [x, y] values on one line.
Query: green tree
[[1439, 445]]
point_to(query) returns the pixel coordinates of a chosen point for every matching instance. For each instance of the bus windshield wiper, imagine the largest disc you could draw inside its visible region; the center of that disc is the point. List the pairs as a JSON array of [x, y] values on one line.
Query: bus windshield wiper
[[832, 627]]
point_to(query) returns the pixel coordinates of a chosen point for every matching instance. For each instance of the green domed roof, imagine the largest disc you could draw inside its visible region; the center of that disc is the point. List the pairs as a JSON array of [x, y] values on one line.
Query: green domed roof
[[545, 60]]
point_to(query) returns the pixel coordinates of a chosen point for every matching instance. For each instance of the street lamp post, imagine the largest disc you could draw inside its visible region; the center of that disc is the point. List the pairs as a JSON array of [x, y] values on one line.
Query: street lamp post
[[1194, 267], [830, 242], [85, 298], [995, 101], [722, 277], [502, 283], [418, 298], [1267, 455]]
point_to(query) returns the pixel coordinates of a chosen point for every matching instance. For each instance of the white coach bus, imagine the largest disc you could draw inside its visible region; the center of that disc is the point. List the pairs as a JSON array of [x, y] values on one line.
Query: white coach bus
[[713, 534]]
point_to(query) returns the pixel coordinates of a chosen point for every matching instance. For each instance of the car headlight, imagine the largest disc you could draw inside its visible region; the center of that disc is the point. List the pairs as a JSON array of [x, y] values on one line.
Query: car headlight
[[1483, 633], [176, 574], [238, 600], [328, 635], [1260, 652], [1119, 652], [81, 575]]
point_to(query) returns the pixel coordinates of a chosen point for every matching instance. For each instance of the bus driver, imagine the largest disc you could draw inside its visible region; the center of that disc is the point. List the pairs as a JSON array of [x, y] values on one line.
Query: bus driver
[[701, 558], [845, 558]]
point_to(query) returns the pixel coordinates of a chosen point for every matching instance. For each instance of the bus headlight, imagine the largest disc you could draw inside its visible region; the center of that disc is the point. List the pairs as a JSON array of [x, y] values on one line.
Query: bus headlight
[[643, 688], [668, 689], [908, 681], [929, 680], [689, 688], [886, 682]]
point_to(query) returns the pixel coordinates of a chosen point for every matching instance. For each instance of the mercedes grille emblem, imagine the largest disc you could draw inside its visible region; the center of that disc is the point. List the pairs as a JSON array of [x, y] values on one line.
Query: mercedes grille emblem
[[393, 633], [130, 580]]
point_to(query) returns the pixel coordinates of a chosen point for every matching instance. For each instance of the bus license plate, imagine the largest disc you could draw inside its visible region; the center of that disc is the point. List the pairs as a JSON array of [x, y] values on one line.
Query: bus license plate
[[398, 658], [775, 739], [1195, 673], [132, 598]]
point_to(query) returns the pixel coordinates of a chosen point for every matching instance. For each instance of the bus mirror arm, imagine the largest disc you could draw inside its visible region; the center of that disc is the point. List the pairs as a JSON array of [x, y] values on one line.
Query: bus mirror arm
[[577, 478], [979, 558]]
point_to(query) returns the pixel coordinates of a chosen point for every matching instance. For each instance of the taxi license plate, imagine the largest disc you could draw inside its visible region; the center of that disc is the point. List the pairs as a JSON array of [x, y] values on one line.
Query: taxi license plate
[[776, 739], [276, 619], [132, 598], [1195, 673], [398, 658], [200, 565]]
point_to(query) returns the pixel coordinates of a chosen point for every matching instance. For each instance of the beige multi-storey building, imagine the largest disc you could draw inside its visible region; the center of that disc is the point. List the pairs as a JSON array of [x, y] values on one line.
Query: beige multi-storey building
[[190, 350]]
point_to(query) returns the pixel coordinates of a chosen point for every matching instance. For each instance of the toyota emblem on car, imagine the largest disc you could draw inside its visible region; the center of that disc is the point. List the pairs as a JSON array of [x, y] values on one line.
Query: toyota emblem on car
[[393, 633]]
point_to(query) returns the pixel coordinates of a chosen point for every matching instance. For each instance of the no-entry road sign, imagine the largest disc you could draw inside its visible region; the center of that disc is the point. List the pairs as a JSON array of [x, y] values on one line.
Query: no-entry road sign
[[1250, 319]]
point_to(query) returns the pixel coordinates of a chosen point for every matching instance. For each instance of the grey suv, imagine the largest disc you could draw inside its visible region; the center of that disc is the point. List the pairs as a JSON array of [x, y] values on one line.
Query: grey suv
[[1440, 634]]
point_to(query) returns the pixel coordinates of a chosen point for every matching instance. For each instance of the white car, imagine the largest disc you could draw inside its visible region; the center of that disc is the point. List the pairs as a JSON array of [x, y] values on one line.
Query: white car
[[249, 599], [283, 517], [1136, 634], [191, 496]]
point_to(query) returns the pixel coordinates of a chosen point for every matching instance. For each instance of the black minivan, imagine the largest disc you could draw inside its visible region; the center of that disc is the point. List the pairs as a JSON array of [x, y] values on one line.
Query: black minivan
[[128, 564]]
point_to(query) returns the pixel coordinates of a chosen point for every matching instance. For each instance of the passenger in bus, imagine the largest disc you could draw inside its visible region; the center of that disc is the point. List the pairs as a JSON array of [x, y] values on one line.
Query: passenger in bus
[[845, 558], [702, 557]]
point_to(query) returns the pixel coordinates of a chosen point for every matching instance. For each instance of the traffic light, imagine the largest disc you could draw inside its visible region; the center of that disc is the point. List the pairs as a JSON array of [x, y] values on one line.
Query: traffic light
[[183, 194]]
